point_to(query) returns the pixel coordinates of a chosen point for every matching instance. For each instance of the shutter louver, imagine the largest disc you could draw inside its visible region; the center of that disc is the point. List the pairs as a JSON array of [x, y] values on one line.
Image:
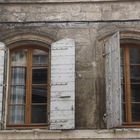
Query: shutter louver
[[113, 81], [62, 109], [2, 81]]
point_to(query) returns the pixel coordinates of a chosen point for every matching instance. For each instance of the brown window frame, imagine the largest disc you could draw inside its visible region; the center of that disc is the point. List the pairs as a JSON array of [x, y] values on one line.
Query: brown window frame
[[127, 87], [29, 85]]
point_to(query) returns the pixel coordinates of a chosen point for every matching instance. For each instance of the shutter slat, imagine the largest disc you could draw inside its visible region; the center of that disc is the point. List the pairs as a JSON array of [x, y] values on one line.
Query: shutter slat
[[113, 81], [62, 112]]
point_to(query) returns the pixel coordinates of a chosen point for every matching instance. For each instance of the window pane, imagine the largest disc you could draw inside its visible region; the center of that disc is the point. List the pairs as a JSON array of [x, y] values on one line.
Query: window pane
[[17, 115], [136, 112], [135, 92], [18, 58], [135, 74], [123, 92], [39, 95], [134, 55], [40, 57], [122, 55], [17, 95], [39, 76], [123, 113], [39, 114], [18, 75]]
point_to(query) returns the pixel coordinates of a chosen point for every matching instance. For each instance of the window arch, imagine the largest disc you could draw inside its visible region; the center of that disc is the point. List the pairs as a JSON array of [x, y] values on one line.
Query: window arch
[[28, 86]]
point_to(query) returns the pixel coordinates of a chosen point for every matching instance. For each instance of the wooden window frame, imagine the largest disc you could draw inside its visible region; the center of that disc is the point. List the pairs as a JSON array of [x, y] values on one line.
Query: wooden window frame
[[127, 86], [28, 102]]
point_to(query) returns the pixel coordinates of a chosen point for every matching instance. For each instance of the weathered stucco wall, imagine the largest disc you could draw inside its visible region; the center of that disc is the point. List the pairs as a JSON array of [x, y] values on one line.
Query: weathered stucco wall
[[90, 77], [87, 23], [70, 11]]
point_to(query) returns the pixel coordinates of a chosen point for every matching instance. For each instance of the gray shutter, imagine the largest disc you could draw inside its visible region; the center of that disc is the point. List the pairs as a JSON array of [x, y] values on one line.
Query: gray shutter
[[62, 108], [2, 81], [113, 81]]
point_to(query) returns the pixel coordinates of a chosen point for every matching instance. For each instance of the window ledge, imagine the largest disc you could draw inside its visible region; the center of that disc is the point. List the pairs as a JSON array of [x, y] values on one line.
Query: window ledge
[[39, 134], [62, 1]]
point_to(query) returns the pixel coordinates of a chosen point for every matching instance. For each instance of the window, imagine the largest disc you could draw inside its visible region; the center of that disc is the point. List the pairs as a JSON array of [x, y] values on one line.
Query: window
[[130, 65], [40, 85], [28, 90], [122, 66]]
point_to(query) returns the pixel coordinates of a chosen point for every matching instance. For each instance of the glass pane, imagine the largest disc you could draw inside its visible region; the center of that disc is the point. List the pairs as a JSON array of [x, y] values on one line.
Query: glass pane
[[39, 76], [39, 114], [123, 113], [18, 75], [40, 57], [135, 92], [135, 55], [122, 55], [135, 74], [39, 95], [123, 92], [17, 95], [136, 112], [16, 115], [18, 58]]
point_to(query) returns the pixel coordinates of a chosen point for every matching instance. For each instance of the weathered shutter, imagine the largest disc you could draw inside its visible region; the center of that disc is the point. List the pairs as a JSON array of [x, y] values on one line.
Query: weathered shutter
[[62, 109], [113, 81], [2, 81]]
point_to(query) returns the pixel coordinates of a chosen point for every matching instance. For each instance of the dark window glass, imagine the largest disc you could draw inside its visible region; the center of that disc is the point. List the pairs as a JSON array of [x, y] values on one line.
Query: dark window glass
[[39, 113], [135, 74], [135, 92], [39, 76], [134, 55], [123, 113], [136, 112], [39, 95]]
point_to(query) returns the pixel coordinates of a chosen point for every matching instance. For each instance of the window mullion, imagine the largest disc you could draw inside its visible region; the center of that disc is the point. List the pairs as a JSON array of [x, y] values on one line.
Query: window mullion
[[127, 85], [28, 86]]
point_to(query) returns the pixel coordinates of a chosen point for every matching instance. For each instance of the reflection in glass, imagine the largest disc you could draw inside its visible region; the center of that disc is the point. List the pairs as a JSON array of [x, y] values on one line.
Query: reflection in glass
[[136, 112], [39, 76], [39, 114], [40, 57], [16, 115], [39, 95], [134, 55], [18, 58]]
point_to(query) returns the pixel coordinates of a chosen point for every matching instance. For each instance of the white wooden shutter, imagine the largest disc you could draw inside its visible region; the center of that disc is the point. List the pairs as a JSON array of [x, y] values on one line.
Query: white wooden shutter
[[113, 81], [2, 81], [62, 109]]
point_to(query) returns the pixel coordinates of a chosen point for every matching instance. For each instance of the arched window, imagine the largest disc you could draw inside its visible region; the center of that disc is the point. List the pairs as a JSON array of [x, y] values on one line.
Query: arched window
[[28, 86], [122, 69], [130, 65], [37, 85]]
